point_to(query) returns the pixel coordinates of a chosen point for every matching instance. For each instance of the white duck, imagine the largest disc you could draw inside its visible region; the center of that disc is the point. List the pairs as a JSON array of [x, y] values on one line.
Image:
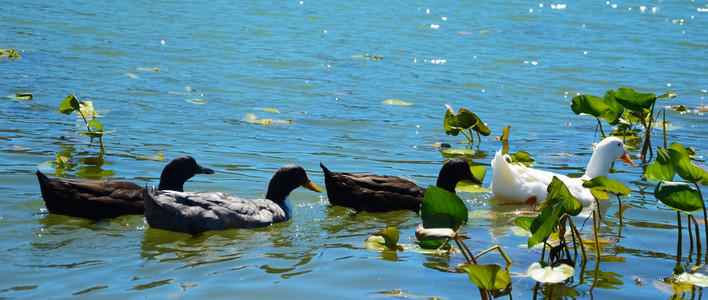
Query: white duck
[[520, 184]]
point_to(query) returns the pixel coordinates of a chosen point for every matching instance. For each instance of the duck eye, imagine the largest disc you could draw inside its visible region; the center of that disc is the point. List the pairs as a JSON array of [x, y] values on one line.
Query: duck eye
[[619, 144]]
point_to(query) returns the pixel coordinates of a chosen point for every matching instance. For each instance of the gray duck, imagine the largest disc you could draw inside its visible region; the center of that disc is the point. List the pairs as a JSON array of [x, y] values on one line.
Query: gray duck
[[381, 193], [105, 198], [196, 212]]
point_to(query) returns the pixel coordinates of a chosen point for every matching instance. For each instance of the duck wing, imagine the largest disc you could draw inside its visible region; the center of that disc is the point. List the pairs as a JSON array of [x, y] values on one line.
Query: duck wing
[[195, 212], [93, 199], [370, 192]]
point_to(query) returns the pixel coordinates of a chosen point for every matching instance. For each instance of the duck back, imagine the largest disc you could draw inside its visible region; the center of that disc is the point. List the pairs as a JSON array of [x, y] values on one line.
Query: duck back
[[93, 199], [370, 192]]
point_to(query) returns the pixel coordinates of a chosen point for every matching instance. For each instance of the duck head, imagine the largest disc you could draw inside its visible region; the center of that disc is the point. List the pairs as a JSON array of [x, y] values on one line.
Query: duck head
[[178, 171], [286, 179], [454, 171], [605, 153]]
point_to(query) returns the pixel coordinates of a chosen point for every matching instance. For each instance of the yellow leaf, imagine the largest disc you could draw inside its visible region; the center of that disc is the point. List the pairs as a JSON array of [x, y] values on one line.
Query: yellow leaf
[[196, 101], [131, 75], [395, 102], [269, 110]]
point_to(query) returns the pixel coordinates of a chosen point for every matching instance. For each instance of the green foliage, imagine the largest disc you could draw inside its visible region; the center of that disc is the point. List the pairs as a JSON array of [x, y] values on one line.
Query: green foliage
[[464, 120], [679, 196], [558, 203], [588, 104], [662, 168], [633, 100], [604, 184], [615, 109], [390, 235], [442, 209], [488, 277]]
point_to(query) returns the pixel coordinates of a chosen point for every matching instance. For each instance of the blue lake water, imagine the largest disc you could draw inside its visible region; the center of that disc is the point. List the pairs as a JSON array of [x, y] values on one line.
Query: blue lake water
[[181, 77]]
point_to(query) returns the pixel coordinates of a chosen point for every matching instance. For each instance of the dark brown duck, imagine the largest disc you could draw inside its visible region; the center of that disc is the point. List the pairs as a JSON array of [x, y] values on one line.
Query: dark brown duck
[[103, 199], [380, 193]]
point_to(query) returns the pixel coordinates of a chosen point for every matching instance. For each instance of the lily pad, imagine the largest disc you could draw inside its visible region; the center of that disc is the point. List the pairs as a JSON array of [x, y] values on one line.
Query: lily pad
[[489, 277], [270, 110], [442, 209], [542, 272], [615, 110], [196, 101], [603, 183], [679, 196], [633, 100], [396, 102], [588, 104], [662, 168]]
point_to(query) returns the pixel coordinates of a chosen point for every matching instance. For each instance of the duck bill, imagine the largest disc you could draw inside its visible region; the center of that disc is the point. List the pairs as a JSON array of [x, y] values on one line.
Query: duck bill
[[474, 179], [204, 170], [311, 186], [625, 158]]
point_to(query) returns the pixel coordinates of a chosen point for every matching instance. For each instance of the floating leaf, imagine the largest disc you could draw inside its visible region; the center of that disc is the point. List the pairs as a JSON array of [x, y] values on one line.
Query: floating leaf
[[696, 279], [505, 134], [542, 272], [457, 152], [633, 100], [275, 111], [390, 235], [196, 101], [488, 277], [22, 96], [396, 102], [588, 104], [679, 196], [131, 75]]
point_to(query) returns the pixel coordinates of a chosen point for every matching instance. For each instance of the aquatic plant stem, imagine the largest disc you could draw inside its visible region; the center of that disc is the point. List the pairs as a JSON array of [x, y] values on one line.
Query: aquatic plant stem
[[619, 202], [705, 215], [580, 240], [690, 236], [501, 251], [698, 239], [468, 137], [595, 228], [680, 239], [599, 123]]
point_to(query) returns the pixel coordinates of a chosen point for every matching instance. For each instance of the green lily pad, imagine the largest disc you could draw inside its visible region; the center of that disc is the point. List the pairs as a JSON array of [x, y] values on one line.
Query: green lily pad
[[684, 167], [588, 104], [679, 196], [69, 105], [633, 100], [442, 209], [602, 183], [662, 168], [615, 111], [489, 277]]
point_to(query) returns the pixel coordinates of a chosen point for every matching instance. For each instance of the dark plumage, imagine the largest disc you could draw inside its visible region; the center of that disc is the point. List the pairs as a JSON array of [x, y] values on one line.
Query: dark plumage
[[379, 193], [196, 212], [102, 199]]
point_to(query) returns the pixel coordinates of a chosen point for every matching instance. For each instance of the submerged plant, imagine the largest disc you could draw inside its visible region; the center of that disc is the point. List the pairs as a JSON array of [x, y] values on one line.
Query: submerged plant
[[10, 53]]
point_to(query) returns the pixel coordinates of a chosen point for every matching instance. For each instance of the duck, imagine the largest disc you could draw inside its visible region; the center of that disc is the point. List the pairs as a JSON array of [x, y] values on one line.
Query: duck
[[517, 183], [106, 198], [383, 193], [197, 212]]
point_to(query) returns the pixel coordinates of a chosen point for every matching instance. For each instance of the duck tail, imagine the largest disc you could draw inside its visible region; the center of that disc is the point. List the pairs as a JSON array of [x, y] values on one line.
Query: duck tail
[[500, 167], [326, 171]]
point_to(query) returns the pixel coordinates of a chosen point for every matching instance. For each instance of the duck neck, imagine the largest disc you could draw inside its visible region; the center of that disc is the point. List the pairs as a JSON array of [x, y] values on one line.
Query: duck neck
[[447, 181], [598, 166], [172, 181]]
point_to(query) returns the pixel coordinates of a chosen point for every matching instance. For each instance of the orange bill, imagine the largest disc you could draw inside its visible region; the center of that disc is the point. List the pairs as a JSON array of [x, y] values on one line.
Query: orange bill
[[311, 186], [625, 158]]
